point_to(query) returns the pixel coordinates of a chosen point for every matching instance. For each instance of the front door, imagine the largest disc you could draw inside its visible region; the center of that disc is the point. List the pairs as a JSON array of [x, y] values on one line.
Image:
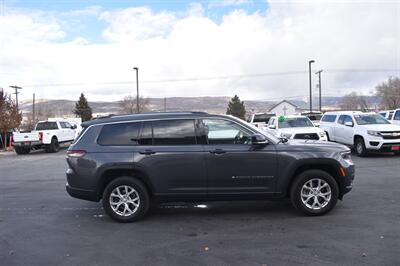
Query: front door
[[234, 165]]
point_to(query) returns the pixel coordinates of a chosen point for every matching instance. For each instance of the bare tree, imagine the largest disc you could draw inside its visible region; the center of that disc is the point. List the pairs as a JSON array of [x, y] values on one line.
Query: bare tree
[[10, 117], [128, 105], [354, 101], [390, 92]]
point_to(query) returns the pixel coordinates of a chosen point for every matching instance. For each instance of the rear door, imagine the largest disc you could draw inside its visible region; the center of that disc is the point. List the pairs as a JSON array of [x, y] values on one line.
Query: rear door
[[234, 165], [171, 157]]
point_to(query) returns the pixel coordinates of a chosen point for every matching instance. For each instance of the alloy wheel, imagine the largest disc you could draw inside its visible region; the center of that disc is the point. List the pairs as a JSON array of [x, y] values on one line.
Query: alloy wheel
[[316, 193], [124, 200]]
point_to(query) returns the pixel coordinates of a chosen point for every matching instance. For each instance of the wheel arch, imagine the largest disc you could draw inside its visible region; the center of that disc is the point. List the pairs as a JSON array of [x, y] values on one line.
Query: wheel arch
[[328, 166], [111, 174]]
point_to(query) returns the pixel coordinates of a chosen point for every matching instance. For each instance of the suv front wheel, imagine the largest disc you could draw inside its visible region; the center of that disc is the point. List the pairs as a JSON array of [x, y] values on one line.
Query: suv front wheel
[[126, 199], [314, 192]]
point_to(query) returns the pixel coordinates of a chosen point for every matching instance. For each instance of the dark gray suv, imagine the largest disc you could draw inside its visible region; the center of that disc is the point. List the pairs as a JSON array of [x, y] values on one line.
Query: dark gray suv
[[131, 161]]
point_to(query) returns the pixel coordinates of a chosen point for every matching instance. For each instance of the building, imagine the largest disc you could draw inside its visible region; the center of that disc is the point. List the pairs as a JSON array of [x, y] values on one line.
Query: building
[[285, 108]]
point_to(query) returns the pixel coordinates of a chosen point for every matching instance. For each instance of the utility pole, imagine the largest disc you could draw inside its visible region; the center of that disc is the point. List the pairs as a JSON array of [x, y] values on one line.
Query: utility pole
[[165, 104], [33, 109], [309, 77], [137, 90], [319, 88], [16, 94]]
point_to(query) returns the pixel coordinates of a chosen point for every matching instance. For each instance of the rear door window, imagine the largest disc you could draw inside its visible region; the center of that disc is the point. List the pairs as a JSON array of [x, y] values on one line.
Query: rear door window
[[121, 134], [329, 118], [174, 132], [47, 126]]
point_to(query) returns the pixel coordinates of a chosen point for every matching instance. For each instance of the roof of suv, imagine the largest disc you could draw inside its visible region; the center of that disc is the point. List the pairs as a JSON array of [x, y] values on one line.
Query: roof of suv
[[144, 116]]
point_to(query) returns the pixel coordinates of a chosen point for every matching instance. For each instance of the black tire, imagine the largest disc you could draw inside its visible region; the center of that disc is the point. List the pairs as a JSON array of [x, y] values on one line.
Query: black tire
[[359, 147], [140, 191], [54, 146], [21, 150], [297, 187]]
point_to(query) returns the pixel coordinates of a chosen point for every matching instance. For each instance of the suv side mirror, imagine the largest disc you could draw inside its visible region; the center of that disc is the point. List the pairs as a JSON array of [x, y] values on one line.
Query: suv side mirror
[[73, 127], [272, 126], [349, 124], [258, 139]]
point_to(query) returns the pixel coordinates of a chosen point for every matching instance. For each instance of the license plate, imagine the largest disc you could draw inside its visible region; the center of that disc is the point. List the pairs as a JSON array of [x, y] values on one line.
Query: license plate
[[27, 143], [396, 148]]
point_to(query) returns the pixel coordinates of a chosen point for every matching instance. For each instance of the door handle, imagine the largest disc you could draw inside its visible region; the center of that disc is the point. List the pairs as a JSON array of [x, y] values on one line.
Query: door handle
[[218, 151], [147, 152]]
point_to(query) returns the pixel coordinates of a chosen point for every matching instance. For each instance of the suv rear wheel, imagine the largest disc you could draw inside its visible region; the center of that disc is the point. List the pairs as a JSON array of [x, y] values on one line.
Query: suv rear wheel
[[126, 199], [314, 192]]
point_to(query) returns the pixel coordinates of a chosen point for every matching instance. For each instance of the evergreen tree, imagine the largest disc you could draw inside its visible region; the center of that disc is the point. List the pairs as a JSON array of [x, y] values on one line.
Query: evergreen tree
[[236, 108], [82, 108]]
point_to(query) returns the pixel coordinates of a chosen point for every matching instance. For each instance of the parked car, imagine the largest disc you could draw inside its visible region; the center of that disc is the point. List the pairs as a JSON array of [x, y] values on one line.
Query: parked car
[[47, 135], [388, 114], [314, 116], [131, 161], [395, 117], [295, 127], [363, 131], [260, 120]]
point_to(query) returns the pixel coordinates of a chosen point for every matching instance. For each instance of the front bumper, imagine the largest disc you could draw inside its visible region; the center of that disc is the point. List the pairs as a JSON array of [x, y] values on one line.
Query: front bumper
[[380, 144], [347, 181]]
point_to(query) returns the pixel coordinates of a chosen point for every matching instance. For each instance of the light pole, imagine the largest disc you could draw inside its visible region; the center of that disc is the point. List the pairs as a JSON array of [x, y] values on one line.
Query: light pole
[[137, 90], [16, 94], [319, 88], [309, 77]]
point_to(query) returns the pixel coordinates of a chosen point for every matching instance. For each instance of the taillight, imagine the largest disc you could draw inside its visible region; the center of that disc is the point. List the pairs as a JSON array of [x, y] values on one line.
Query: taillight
[[76, 153], [40, 135]]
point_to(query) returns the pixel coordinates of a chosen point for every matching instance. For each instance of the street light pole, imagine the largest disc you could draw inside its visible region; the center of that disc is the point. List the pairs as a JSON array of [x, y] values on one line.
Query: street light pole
[[137, 90], [319, 88], [309, 77]]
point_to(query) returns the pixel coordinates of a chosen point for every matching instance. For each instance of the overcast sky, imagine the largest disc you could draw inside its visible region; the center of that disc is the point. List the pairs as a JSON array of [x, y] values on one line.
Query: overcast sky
[[256, 49]]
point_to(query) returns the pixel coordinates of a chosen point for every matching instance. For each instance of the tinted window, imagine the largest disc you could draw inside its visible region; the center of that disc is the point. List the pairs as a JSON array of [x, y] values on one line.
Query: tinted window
[[146, 136], [46, 126], [174, 132], [119, 134], [397, 115], [262, 118], [329, 118], [220, 131]]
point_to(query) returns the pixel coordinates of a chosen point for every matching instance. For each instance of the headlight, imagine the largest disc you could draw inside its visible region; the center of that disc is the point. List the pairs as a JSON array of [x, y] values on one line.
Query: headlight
[[322, 134], [346, 155], [374, 133], [286, 135]]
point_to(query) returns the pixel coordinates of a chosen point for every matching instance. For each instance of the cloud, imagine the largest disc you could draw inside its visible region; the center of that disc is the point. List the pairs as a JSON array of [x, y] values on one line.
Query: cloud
[[168, 45]]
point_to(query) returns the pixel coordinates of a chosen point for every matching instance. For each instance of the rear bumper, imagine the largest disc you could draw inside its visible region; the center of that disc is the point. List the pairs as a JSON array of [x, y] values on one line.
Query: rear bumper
[[81, 193], [28, 143]]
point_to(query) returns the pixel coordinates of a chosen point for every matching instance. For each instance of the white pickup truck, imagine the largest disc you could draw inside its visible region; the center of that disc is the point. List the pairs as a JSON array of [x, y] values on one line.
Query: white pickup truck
[[363, 131], [47, 135], [260, 120]]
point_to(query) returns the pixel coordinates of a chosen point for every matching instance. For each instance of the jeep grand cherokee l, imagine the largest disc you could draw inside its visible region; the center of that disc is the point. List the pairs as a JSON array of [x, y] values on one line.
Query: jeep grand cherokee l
[[131, 161]]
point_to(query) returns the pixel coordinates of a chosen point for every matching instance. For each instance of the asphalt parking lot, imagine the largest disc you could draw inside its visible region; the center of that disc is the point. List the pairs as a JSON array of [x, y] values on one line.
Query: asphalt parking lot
[[41, 225]]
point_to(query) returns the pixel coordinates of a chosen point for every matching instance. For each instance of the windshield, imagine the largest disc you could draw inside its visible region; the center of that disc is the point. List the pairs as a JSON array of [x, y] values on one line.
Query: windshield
[[295, 122], [370, 119]]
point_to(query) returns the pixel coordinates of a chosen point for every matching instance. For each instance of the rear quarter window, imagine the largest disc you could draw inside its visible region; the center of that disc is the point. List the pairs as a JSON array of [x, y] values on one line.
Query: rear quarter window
[[121, 134], [329, 118]]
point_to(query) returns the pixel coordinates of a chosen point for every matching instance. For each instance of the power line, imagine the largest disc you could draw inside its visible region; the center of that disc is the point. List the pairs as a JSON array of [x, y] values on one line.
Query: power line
[[255, 75]]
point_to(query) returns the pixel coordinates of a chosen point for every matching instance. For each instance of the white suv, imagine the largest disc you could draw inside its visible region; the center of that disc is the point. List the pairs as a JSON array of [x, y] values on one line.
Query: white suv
[[395, 118], [295, 127], [364, 131]]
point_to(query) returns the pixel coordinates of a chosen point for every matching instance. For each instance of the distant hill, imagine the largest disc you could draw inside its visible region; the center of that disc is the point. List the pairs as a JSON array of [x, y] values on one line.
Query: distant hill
[[209, 104]]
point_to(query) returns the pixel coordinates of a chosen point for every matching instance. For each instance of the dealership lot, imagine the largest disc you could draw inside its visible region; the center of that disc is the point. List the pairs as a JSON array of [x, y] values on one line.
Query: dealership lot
[[41, 225]]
